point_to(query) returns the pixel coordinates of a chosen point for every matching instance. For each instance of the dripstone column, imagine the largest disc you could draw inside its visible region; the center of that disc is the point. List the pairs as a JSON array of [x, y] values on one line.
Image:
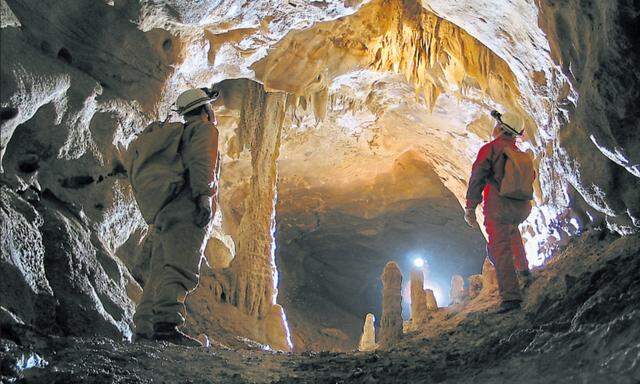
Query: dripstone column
[[391, 322]]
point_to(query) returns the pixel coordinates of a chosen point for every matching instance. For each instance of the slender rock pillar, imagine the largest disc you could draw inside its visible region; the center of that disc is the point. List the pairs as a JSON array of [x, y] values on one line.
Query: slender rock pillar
[[368, 339], [391, 322], [457, 289], [418, 299]]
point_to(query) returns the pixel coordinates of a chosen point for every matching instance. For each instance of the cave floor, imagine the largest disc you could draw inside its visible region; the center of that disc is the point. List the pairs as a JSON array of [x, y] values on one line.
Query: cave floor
[[580, 323]]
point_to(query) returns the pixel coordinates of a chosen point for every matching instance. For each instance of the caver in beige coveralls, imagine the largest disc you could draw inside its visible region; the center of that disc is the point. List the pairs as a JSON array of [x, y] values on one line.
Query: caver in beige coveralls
[[176, 242]]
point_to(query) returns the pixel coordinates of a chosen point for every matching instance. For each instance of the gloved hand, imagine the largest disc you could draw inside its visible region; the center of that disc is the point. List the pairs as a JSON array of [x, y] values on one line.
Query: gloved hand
[[470, 217], [204, 212]]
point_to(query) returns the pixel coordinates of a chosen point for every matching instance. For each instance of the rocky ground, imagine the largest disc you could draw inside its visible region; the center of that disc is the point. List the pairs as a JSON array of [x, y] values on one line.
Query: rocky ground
[[580, 324]]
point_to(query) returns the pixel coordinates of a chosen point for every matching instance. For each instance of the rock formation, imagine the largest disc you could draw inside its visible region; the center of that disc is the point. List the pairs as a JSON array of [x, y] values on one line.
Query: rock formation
[[430, 300], [475, 286], [457, 292], [418, 298], [391, 321], [368, 338], [489, 278]]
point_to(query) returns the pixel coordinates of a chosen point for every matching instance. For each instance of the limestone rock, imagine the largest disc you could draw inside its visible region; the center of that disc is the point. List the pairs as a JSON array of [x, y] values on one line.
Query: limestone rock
[[368, 338], [418, 298], [69, 282], [276, 329], [457, 293], [391, 322], [430, 300], [475, 286], [489, 277]]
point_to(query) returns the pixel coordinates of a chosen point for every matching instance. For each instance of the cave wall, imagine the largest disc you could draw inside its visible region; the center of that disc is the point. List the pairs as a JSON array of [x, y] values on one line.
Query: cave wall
[[598, 146]]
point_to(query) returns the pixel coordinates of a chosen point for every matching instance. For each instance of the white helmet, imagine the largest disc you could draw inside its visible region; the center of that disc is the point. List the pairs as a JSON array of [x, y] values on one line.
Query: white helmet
[[509, 122], [194, 98]]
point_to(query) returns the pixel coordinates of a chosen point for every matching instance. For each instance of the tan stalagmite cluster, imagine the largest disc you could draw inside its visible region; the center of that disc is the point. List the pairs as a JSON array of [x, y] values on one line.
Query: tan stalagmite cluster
[[391, 322], [368, 338]]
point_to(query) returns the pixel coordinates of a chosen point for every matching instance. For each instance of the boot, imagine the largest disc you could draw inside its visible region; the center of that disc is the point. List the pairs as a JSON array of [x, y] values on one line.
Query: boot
[[508, 306], [170, 333]]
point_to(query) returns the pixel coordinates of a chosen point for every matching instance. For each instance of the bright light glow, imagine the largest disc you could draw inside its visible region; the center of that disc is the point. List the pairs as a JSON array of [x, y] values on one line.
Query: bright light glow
[[418, 262]]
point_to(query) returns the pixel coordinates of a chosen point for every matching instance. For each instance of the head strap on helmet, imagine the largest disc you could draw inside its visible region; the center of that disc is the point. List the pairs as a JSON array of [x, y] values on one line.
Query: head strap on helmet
[[504, 126]]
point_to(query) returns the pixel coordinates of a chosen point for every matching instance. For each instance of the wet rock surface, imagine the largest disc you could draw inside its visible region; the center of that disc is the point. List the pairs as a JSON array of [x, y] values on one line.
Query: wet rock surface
[[580, 323]]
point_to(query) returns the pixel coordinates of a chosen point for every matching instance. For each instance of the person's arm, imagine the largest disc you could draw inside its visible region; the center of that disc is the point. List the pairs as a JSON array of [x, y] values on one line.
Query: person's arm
[[479, 176], [200, 158]]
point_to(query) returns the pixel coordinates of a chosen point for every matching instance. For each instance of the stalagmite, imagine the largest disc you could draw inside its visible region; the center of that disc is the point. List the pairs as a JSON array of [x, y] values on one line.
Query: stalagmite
[[475, 285], [457, 289], [368, 339], [430, 300], [418, 298], [391, 322], [489, 278]]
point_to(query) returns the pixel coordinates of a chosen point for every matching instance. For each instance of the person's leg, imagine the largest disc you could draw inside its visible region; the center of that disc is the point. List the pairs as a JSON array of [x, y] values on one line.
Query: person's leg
[[143, 317], [183, 244], [517, 247], [499, 246]]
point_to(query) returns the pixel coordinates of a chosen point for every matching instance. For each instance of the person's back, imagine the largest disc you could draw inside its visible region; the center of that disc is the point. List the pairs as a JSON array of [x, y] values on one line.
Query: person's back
[[502, 214]]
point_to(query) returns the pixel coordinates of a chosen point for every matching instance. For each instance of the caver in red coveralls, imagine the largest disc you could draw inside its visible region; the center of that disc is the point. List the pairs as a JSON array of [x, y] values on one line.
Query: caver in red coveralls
[[501, 215]]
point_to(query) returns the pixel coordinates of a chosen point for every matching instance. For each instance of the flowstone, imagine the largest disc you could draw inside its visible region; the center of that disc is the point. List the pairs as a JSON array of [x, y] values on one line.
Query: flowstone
[[391, 322]]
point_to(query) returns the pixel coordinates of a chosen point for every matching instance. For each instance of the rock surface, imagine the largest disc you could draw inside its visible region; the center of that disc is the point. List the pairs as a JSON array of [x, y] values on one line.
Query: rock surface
[[579, 323]]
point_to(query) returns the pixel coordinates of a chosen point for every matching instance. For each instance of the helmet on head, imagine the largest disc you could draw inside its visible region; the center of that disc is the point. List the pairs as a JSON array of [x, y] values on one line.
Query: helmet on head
[[194, 98], [509, 122]]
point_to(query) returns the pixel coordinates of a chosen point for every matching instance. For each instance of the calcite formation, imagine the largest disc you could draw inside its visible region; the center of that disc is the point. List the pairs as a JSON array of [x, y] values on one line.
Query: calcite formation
[[430, 300], [418, 298], [475, 286], [368, 338], [457, 292], [391, 321], [489, 277]]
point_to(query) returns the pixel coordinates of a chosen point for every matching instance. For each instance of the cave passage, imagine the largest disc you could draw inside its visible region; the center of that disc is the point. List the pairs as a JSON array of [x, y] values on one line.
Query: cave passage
[[338, 250]]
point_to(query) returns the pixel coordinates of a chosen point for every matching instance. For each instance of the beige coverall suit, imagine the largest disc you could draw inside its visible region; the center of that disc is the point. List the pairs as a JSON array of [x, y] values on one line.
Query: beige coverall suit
[[176, 242]]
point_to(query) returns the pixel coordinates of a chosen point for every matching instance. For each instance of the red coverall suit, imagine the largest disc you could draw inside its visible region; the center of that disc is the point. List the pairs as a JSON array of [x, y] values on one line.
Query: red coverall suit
[[501, 215]]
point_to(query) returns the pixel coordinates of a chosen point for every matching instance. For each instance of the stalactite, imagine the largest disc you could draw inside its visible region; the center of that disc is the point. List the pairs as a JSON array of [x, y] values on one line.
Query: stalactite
[[436, 55]]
